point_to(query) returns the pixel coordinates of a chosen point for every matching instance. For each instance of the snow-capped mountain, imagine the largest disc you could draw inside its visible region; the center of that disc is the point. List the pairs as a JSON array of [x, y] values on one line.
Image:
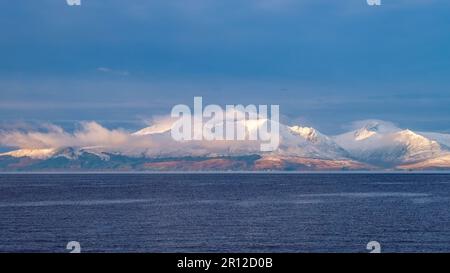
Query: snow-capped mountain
[[294, 141], [68, 153], [375, 145], [154, 129], [443, 139], [308, 142], [435, 163], [383, 144]]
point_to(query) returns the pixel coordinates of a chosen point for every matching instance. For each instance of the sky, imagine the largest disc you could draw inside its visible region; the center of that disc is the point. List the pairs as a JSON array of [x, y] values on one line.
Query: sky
[[326, 63]]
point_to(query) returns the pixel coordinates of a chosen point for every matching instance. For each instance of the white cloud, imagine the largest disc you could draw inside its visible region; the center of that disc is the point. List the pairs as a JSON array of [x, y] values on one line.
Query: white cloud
[[92, 135]]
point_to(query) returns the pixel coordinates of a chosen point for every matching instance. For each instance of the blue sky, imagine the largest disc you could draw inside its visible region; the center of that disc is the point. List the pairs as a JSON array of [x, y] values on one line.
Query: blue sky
[[326, 64]]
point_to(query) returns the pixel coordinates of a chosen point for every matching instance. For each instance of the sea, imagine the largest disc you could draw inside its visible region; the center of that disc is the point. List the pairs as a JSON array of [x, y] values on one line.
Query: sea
[[225, 212]]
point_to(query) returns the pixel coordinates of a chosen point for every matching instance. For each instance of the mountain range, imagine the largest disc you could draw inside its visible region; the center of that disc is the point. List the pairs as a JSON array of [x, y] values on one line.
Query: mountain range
[[374, 146]]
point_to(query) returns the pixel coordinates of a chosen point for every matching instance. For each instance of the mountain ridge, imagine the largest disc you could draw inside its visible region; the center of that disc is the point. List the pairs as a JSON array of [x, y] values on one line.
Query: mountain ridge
[[374, 146]]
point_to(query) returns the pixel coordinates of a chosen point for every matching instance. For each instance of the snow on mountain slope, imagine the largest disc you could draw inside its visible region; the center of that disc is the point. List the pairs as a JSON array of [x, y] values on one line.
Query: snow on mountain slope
[[387, 145], [154, 129], [308, 133], [308, 142], [441, 162], [417, 146], [374, 145], [443, 139], [294, 141], [372, 129], [69, 153], [75, 153]]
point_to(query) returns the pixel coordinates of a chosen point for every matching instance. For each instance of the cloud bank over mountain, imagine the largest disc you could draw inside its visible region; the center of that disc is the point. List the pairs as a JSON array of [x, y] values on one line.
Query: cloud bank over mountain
[[371, 145]]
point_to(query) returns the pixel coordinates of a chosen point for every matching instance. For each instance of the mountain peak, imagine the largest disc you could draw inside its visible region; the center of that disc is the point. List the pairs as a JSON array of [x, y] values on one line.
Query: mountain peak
[[412, 136], [375, 125], [408, 132], [154, 129], [376, 143], [363, 134], [308, 133], [372, 126]]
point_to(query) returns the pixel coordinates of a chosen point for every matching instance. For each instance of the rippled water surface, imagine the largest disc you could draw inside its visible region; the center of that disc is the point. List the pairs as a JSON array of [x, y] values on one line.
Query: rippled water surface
[[224, 212]]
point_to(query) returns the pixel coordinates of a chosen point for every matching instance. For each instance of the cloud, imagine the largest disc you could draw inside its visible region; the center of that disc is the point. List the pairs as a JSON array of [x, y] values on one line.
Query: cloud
[[90, 134], [381, 125], [156, 141], [108, 70]]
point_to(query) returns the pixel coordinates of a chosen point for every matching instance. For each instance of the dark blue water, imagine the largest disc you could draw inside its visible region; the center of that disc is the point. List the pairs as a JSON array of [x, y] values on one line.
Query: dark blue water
[[224, 212]]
